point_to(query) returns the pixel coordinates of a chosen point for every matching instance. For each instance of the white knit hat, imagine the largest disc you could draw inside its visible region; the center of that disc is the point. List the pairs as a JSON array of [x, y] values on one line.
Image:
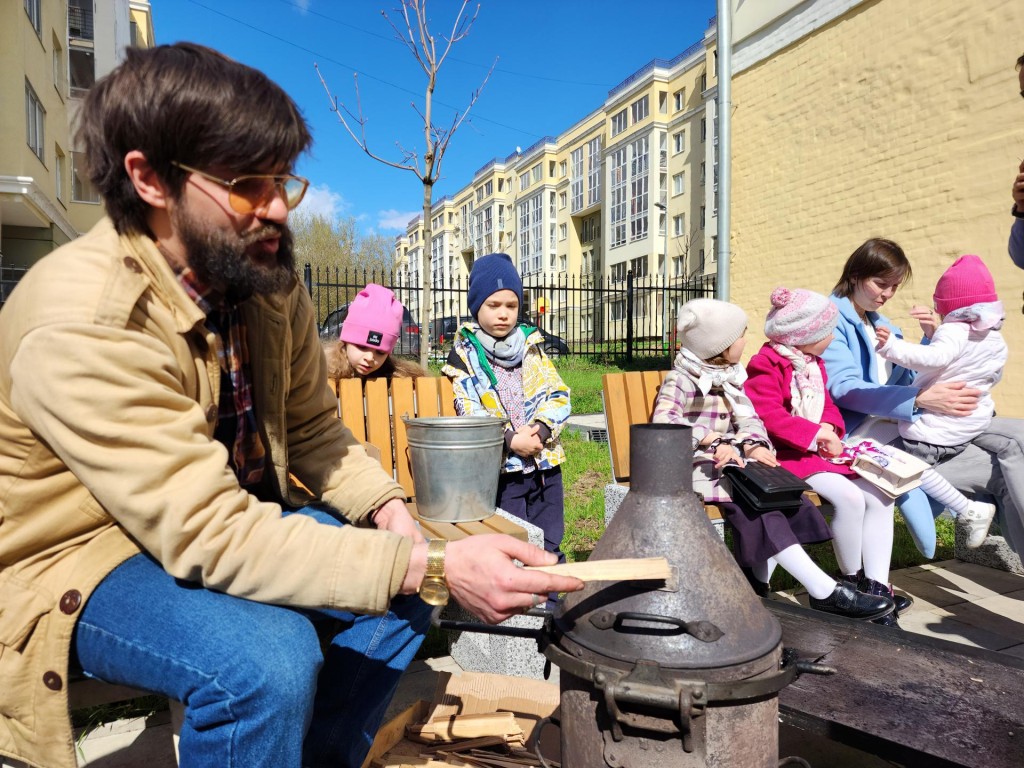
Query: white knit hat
[[708, 327]]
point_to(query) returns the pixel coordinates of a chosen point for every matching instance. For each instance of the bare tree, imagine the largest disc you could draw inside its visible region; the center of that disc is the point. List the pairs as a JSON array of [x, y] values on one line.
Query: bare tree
[[417, 37]]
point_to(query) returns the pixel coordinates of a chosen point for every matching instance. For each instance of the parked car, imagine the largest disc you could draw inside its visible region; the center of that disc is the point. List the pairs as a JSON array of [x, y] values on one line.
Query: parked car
[[443, 330], [408, 344], [553, 346]]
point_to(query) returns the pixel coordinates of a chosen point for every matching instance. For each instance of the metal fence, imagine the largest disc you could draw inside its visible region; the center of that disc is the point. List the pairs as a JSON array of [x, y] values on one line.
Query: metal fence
[[9, 277], [580, 314]]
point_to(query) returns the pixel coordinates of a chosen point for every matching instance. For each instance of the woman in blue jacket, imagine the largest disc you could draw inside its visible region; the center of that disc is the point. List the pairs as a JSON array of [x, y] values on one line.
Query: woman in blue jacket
[[874, 396]]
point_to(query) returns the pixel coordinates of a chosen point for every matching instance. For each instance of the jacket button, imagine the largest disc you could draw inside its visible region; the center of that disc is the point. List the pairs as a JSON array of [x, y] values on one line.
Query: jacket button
[[132, 264], [211, 413], [52, 681], [723, 415], [70, 601]]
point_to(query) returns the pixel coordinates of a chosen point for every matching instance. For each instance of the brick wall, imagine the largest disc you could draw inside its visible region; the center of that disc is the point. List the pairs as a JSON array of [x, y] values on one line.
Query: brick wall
[[900, 118]]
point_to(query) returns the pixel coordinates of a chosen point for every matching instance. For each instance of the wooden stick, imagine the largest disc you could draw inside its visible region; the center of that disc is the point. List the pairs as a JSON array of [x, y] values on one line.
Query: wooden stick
[[623, 569]]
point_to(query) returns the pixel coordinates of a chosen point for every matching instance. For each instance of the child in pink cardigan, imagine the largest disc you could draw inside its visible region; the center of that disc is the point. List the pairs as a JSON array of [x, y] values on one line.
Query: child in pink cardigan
[[787, 385]]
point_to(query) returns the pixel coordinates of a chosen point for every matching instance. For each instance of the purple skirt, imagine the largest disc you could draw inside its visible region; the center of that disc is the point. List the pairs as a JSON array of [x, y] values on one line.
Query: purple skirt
[[760, 535]]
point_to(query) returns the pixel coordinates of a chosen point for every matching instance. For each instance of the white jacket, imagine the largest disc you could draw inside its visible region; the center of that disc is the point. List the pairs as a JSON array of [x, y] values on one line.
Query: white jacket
[[955, 353]]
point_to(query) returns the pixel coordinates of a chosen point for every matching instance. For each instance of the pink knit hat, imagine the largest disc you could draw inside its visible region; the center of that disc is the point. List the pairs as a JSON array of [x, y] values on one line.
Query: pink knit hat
[[374, 319], [966, 282], [799, 317]]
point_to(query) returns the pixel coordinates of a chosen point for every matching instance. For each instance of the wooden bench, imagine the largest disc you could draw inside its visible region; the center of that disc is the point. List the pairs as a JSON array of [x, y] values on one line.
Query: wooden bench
[[373, 412], [629, 399]]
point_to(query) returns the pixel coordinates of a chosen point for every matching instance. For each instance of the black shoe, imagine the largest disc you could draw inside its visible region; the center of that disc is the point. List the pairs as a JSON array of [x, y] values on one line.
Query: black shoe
[[889, 620], [847, 601], [872, 587]]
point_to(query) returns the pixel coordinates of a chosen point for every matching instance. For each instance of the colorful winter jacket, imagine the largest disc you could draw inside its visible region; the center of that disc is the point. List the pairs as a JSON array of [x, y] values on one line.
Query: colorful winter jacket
[[545, 396]]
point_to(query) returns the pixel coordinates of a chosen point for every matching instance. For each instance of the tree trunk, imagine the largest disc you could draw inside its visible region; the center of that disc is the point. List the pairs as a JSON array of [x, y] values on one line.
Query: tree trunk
[[426, 301]]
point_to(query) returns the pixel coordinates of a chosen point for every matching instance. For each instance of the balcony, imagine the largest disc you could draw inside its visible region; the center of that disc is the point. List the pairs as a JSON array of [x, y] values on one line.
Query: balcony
[[80, 22]]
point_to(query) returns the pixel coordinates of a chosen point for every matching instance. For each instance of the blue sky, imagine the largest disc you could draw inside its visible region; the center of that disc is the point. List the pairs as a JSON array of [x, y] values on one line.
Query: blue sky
[[540, 86]]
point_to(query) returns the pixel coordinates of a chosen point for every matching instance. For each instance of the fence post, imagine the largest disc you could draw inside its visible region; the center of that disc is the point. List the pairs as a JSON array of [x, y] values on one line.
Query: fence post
[[629, 316], [307, 278]]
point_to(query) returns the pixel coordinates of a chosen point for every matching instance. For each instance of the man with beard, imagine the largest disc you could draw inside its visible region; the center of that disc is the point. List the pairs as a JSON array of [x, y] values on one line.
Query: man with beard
[[161, 390]]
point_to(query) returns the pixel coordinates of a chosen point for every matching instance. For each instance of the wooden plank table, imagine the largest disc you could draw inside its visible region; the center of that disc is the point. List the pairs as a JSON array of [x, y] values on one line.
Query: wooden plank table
[[916, 700]]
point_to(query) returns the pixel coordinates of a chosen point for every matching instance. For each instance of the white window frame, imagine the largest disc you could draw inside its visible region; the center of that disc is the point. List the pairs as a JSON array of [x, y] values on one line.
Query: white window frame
[[619, 122], [640, 109], [617, 209], [35, 123], [679, 183], [594, 171]]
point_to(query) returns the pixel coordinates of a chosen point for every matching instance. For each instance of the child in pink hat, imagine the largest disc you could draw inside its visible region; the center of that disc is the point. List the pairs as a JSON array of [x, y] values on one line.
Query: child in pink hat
[[368, 336], [964, 345]]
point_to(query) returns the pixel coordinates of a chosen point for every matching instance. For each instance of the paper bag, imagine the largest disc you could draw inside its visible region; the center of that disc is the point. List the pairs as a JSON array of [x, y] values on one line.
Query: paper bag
[[893, 471]]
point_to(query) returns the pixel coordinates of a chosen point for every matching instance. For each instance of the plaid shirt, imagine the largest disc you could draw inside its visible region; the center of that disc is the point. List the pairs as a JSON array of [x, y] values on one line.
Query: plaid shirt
[[680, 402], [236, 428]]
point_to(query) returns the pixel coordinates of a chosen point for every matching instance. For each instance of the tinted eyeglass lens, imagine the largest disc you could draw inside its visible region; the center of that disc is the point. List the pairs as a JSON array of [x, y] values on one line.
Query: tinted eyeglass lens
[[251, 192]]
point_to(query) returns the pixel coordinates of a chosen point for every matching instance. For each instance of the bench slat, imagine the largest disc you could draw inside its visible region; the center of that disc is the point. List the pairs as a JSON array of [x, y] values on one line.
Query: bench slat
[[378, 420], [402, 404], [617, 421], [498, 524], [350, 398]]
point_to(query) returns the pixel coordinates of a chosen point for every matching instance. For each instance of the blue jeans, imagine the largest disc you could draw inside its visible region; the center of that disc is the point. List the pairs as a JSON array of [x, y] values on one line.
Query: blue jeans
[[256, 687]]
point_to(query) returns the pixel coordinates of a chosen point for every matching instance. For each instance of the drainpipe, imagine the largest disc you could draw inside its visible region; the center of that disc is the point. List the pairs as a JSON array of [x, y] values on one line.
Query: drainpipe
[[724, 109]]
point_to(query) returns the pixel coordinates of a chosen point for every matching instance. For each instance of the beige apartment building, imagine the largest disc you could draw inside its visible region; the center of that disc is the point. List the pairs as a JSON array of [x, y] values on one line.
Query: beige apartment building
[[849, 119], [51, 52]]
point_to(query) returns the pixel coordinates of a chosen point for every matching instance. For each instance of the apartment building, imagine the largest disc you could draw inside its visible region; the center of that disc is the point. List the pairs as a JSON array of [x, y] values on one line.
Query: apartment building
[[51, 52], [626, 188]]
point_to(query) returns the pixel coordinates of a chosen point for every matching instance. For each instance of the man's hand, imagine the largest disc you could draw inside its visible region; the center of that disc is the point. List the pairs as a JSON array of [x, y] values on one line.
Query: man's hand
[[394, 516], [882, 334], [526, 441], [485, 581], [951, 398], [928, 319], [1018, 188]]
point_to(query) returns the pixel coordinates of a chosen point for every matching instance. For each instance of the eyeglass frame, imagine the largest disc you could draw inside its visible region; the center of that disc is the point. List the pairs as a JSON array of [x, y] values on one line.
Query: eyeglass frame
[[280, 179]]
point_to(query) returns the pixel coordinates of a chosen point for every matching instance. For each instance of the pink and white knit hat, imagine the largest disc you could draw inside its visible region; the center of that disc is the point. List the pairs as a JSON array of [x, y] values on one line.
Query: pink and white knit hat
[[799, 317]]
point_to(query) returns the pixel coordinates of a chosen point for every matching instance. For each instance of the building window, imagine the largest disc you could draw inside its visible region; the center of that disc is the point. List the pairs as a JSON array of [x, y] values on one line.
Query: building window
[[619, 272], [524, 181], [80, 22], [639, 266], [704, 81], [576, 179], [58, 67], [591, 228], [35, 15], [561, 200], [678, 142], [618, 201], [619, 122], [536, 173], [663, 102], [35, 120], [563, 231], [640, 109], [60, 171], [679, 225], [638, 197], [701, 264], [82, 190], [703, 173], [562, 169], [531, 234], [83, 70], [679, 183], [702, 218], [594, 171], [680, 99], [703, 129], [619, 310]]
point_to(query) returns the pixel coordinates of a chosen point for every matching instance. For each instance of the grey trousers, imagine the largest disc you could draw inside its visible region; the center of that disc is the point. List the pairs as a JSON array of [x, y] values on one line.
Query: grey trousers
[[994, 464]]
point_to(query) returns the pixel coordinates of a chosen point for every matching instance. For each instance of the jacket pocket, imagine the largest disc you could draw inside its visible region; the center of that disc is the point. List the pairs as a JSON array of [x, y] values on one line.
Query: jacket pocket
[[22, 606]]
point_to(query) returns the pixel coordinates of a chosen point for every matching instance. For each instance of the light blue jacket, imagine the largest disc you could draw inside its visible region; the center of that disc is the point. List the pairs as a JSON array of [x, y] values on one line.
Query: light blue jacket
[[853, 379]]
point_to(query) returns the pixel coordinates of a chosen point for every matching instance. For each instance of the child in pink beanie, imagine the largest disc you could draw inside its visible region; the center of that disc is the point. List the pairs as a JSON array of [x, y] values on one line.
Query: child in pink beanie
[[966, 346], [368, 335]]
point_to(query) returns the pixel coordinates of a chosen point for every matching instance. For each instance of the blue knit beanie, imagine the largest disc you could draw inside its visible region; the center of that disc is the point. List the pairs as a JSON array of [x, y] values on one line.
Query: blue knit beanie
[[490, 274]]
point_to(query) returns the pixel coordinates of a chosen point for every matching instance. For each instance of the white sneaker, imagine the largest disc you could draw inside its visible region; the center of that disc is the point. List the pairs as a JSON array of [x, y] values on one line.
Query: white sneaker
[[976, 521]]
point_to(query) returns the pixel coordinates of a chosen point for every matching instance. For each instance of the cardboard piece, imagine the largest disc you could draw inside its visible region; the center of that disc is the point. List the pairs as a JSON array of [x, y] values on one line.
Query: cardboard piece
[[469, 693]]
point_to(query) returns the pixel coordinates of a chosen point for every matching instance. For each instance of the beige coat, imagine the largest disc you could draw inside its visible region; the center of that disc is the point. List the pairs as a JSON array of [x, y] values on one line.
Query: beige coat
[[109, 384]]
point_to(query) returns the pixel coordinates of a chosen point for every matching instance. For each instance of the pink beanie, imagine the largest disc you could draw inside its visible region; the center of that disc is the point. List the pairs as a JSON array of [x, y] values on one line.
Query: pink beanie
[[966, 282], [799, 317], [374, 319]]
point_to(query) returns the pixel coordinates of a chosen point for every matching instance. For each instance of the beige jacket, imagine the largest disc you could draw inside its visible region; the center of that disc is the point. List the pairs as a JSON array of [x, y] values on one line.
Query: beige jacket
[[109, 384]]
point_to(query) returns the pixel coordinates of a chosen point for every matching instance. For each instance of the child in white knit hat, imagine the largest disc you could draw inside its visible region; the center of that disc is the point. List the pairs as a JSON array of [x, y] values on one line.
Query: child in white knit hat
[[705, 391]]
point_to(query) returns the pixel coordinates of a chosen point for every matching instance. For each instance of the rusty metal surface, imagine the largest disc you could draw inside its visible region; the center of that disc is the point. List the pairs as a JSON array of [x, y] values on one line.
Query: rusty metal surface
[[706, 616], [918, 701]]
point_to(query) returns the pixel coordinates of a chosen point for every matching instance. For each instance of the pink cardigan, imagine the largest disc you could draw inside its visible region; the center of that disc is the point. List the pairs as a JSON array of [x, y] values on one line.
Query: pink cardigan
[[768, 387]]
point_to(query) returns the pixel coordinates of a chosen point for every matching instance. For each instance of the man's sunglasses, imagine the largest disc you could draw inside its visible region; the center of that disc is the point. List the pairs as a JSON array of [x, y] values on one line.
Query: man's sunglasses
[[255, 191]]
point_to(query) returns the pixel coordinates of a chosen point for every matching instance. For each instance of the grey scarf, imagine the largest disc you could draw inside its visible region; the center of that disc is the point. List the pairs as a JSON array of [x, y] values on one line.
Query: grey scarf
[[507, 352]]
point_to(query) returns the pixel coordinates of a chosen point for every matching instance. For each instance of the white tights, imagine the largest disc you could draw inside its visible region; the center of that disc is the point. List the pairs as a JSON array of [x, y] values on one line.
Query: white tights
[[862, 527]]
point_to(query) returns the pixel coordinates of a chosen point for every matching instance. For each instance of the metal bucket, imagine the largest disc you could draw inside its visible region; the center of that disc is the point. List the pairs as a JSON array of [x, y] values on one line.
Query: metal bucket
[[455, 465]]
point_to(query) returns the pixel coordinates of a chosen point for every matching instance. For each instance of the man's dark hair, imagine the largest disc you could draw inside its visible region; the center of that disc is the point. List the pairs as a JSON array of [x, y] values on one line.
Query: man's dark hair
[[1020, 61], [876, 257], [190, 104]]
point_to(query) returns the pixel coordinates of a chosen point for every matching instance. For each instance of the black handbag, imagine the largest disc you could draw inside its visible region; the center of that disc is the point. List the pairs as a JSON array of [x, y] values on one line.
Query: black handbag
[[762, 488]]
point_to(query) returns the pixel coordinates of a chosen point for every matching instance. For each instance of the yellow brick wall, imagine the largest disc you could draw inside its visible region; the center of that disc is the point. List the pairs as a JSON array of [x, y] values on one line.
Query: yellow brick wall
[[900, 119]]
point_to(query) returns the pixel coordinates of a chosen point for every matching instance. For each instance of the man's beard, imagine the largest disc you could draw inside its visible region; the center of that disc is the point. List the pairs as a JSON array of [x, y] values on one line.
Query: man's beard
[[220, 260]]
